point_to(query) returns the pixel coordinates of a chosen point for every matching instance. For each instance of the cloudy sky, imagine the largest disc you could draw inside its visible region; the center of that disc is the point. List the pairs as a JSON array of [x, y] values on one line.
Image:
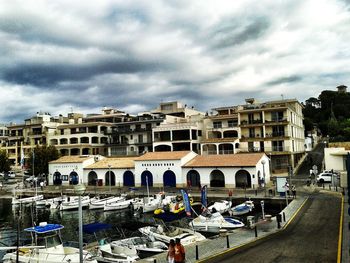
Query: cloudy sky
[[59, 55]]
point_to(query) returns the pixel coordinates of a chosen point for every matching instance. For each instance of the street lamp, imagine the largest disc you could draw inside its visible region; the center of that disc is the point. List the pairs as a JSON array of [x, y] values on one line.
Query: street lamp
[[263, 163], [109, 176], [79, 190]]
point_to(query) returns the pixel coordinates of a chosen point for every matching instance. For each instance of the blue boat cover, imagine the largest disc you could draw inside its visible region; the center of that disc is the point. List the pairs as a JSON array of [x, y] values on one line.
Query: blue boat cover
[[44, 229], [95, 227]]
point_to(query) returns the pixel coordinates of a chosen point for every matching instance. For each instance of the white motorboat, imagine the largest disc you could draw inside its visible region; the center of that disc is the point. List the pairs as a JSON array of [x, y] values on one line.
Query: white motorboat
[[222, 206], [161, 233], [47, 247], [243, 208], [143, 245], [122, 204], [99, 203], [26, 200], [209, 221], [72, 202], [110, 253]]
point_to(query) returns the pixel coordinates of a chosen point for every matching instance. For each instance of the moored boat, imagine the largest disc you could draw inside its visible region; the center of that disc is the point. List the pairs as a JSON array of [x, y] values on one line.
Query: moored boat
[[98, 203], [72, 202], [210, 221], [164, 234], [26, 200], [222, 207], [47, 247], [243, 208]]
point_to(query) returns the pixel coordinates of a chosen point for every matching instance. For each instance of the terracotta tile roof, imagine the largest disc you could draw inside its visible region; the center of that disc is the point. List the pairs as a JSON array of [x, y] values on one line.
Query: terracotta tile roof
[[163, 156], [125, 162], [71, 159], [226, 160]]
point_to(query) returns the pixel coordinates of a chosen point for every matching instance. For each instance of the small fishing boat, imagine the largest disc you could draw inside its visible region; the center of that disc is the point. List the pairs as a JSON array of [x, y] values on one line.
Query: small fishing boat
[[72, 202], [222, 207], [47, 247], [242, 209], [152, 203], [164, 234], [119, 205], [98, 203], [51, 203], [26, 200], [208, 221]]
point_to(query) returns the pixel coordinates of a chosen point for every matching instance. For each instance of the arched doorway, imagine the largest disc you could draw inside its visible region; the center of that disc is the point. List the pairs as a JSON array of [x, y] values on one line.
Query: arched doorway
[[149, 176], [193, 178], [169, 178], [243, 179], [217, 179], [92, 178], [128, 179], [112, 175], [73, 178], [57, 180]]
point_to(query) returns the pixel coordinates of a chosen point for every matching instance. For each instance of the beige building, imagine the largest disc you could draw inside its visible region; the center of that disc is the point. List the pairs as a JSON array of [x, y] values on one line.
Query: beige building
[[22, 138], [273, 127]]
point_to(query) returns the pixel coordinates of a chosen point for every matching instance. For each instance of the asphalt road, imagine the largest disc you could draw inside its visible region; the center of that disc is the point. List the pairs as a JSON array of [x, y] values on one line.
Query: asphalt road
[[311, 237], [315, 157]]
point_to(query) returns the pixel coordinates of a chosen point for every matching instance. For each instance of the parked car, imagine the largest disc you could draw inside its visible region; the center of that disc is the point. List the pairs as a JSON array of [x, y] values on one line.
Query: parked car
[[325, 177]]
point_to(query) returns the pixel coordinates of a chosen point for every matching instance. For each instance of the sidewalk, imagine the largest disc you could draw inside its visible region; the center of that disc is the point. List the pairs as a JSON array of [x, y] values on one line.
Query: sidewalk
[[212, 247]]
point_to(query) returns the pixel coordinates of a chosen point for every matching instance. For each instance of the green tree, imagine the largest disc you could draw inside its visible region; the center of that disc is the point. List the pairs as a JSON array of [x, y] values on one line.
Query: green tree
[[5, 164], [41, 156]]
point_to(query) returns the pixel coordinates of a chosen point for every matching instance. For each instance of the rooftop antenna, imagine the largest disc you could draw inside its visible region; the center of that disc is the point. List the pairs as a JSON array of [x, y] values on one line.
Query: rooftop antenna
[[282, 97], [71, 109]]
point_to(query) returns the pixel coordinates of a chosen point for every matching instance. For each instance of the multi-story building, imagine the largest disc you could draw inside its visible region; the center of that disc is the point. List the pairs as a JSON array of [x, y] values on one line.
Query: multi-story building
[[221, 131], [273, 127], [134, 135], [4, 134], [82, 138], [181, 129], [23, 138]]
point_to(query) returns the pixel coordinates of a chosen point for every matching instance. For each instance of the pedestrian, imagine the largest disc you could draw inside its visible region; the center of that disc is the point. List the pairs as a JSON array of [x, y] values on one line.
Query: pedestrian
[[42, 185], [171, 251], [294, 191], [180, 255]]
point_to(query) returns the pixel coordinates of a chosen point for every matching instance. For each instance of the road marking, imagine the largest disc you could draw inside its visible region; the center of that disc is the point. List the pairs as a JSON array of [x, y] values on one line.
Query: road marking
[[340, 240], [294, 215]]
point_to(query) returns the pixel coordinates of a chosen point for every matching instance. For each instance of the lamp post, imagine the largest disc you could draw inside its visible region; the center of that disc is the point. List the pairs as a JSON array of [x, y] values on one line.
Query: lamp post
[[109, 176], [264, 176], [79, 190]]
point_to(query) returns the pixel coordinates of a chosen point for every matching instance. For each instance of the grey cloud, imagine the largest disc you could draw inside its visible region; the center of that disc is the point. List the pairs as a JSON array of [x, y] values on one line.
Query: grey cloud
[[289, 79], [237, 31]]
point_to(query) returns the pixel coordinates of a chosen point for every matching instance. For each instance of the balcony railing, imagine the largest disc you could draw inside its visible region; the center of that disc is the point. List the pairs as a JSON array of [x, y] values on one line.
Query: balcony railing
[[265, 149]]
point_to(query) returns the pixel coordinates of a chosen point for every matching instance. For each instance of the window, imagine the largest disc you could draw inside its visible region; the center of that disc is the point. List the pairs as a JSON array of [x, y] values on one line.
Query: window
[[232, 123], [217, 124], [277, 116]]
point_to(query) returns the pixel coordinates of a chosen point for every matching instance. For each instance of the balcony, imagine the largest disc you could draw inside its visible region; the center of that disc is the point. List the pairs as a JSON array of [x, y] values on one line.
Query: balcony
[[251, 122], [274, 149], [276, 121]]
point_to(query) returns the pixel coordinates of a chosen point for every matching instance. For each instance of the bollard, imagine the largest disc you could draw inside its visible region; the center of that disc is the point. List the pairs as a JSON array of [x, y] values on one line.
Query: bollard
[[329, 186], [336, 188], [284, 217], [256, 192], [256, 231], [227, 241], [155, 261], [278, 219], [323, 186], [197, 254]]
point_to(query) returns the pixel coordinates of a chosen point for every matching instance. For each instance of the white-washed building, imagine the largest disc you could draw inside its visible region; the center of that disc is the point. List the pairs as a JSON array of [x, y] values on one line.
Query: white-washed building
[[69, 170], [111, 171], [230, 170], [162, 168]]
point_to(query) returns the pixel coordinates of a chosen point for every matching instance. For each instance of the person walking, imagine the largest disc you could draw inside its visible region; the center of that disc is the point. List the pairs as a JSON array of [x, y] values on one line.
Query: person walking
[[180, 254], [294, 191], [171, 252]]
